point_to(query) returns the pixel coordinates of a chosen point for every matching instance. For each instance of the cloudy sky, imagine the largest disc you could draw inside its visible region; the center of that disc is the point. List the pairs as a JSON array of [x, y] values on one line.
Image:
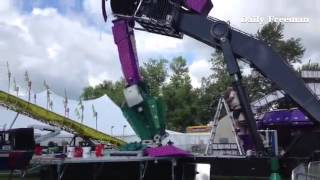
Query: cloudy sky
[[66, 42]]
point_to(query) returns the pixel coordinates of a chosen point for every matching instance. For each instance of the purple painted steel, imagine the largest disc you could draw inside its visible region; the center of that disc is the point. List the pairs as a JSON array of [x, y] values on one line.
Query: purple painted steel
[[292, 117], [124, 38], [299, 118], [200, 6], [281, 116], [247, 142], [166, 151]]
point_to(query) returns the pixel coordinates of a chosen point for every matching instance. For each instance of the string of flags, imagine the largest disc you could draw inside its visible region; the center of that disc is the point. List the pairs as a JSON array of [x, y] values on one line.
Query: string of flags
[[79, 111]]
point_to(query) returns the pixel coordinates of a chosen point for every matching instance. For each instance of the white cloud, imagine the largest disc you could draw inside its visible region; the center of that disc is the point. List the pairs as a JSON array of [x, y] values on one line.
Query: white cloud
[[233, 10], [5, 6], [93, 81], [197, 70], [93, 13], [44, 12], [53, 50], [70, 52], [93, 7], [57, 49], [98, 79], [156, 43]]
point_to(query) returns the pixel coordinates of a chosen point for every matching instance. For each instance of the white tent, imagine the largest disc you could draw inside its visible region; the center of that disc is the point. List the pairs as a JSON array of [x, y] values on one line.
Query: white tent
[[109, 114]]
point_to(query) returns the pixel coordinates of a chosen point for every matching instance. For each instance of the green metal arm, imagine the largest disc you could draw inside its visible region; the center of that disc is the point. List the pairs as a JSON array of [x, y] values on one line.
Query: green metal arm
[[148, 118]]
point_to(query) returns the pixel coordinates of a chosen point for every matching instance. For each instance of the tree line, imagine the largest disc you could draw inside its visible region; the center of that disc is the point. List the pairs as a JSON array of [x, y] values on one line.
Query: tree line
[[187, 105]]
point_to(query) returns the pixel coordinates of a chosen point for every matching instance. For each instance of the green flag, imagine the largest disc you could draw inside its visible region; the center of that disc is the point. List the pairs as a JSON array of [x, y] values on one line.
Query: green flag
[[76, 111]]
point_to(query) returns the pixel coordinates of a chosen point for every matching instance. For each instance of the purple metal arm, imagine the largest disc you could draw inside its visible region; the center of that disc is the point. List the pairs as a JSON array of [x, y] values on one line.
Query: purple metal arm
[[200, 6], [124, 38]]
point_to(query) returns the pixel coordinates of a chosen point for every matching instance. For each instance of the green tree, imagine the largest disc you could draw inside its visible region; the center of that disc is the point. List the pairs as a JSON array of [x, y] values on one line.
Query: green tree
[[154, 73], [113, 89], [290, 49], [180, 97], [257, 86], [89, 93], [212, 88]]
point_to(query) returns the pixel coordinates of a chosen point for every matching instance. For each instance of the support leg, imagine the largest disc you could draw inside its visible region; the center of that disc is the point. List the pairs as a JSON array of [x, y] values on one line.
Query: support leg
[[14, 121], [248, 115], [173, 165], [234, 71]]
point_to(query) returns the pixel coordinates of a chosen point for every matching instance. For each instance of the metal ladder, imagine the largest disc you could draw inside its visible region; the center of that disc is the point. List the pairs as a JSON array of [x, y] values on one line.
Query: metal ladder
[[209, 148]]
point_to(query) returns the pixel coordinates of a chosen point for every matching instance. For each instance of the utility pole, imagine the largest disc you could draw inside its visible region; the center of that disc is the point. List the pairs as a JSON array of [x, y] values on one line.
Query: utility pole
[[111, 133], [9, 77], [81, 108], [29, 83], [51, 105], [65, 103], [48, 93], [124, 127], [15, 87], [95, 115], [67, 113]]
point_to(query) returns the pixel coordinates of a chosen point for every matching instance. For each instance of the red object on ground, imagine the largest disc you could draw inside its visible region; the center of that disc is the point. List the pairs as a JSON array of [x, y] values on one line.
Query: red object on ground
[[167, 151], [38, 150], [19, 159], [100, 150], [78, 151]]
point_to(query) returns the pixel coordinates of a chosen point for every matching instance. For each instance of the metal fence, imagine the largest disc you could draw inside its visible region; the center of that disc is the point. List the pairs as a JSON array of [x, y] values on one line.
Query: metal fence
[[310, 172], [305, 177], [314, 168], [223, 149]]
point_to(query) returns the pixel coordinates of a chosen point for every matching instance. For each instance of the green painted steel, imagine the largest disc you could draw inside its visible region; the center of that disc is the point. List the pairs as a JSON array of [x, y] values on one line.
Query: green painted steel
[[41, 114], [275, 167], [135, 146], [147, 119]]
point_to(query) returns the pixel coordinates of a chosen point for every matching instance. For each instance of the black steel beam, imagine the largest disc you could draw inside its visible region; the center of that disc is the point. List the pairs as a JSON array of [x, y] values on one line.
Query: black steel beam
[[261, 56]]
